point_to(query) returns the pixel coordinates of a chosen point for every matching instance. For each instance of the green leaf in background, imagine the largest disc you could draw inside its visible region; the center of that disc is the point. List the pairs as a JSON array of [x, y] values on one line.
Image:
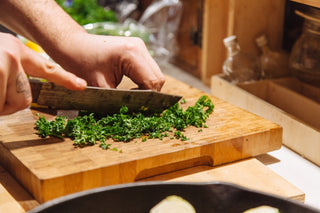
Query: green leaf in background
[[87, 11]]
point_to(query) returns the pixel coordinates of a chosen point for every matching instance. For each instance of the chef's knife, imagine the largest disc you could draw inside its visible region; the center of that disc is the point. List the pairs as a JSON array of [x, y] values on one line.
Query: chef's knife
[[100, 100]]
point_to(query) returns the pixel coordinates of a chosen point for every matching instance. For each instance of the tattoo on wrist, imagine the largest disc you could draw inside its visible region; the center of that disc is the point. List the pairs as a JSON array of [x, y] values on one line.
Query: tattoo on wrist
[[23, 85]]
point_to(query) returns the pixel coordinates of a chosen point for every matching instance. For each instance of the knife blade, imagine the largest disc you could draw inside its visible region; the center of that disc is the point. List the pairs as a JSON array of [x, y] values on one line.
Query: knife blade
[[100, 100]]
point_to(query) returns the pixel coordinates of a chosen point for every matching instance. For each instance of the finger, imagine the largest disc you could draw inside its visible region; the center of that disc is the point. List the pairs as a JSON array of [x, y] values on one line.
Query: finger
[[99, 79], [18, 95], [147, 75], [9, 109], [143, 69], [3, 90], [36, 65], [155, 69], [4, 67]]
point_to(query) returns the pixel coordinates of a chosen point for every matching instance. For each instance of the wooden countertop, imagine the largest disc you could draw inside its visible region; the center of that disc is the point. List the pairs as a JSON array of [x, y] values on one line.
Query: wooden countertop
[[13, 197]]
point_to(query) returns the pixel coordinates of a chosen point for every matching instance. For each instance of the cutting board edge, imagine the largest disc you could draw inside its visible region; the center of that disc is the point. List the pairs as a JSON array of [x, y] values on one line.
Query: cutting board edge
[[38, 186], [206, 155], [275, 132], [138, 168], [19, 171]]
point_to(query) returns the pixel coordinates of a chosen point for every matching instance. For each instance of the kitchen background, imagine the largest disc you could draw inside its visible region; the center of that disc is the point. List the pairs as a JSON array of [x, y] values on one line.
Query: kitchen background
[[188, 44]]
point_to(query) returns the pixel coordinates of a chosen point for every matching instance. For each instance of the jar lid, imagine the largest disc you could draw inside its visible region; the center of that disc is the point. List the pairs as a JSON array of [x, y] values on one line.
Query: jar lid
[[262, 40], [230, 40]]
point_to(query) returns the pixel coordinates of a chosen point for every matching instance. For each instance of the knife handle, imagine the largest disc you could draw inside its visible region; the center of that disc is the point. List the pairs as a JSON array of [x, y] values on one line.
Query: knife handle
[[36, 86]]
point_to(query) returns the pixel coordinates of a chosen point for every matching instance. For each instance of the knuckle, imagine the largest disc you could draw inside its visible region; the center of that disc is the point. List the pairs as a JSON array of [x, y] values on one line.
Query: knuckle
[[16, 105], [67, 82], [138, 41], [160, 83], [130, 47], [10, 45], [25, 103], [134, 44], [10, 58], [162, 80], [10, 55], [156, 84], [9, 39], [49, 67]]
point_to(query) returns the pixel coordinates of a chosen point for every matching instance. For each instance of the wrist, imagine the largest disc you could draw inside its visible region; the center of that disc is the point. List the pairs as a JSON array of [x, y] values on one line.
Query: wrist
[[69, 52]]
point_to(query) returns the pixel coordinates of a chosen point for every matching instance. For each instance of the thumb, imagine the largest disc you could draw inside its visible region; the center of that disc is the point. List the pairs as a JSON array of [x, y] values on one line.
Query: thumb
[[37, 66]]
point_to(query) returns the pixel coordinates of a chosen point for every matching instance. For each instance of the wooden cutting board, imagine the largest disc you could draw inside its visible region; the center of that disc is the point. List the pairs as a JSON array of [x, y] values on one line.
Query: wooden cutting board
[[49, 168]]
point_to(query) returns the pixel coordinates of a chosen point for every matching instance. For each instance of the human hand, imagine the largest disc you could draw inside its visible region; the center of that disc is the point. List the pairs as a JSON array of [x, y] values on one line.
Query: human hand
[[17, 60], [103, 60]]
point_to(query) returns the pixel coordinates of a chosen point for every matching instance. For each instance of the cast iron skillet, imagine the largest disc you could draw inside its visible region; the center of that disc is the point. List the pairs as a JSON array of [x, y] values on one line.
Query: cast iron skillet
[[213, 197]]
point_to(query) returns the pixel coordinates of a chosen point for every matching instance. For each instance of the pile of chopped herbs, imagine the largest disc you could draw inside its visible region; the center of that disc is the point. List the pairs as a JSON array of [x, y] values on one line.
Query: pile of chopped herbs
[[89, 129]]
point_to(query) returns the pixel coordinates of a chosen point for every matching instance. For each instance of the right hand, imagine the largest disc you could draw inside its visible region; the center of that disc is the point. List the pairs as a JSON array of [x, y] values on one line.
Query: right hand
[[17, 60], [104, 60]]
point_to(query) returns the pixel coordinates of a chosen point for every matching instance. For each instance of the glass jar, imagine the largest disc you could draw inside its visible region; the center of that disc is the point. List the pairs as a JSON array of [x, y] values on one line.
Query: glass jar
[[240, 66], [274, 64], [304, 61]]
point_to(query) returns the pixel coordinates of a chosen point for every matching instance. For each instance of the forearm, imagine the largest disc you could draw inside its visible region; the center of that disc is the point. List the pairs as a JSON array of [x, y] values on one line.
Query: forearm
[[42, 21]]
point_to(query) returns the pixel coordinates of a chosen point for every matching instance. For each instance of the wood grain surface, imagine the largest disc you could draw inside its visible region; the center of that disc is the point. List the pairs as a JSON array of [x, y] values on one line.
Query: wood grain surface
[[249, 173], [49, 168], [13, 197]]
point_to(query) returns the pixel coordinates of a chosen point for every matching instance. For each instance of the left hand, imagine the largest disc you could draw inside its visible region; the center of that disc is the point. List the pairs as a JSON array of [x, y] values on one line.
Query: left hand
[[16, 61]]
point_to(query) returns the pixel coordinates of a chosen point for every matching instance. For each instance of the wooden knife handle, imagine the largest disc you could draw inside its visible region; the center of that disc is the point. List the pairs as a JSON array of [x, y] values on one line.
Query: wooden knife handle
[[36, 86]]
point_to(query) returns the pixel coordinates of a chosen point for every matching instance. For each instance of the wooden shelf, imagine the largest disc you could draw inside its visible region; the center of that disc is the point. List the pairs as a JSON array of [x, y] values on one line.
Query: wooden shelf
[[244, 18], [314, 3]]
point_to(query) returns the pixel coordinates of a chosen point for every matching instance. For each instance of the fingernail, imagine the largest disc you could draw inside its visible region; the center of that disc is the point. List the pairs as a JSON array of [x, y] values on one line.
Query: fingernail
[[81, 83]]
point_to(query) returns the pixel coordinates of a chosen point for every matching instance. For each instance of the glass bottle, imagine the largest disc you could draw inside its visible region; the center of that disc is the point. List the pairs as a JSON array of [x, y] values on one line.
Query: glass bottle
[[304, 61], [240, 66], [274, 64]]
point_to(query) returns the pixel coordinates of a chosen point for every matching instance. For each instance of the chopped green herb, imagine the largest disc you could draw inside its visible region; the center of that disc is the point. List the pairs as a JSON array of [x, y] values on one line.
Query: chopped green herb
[[89, 129], [103, 145], [184, 138]]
